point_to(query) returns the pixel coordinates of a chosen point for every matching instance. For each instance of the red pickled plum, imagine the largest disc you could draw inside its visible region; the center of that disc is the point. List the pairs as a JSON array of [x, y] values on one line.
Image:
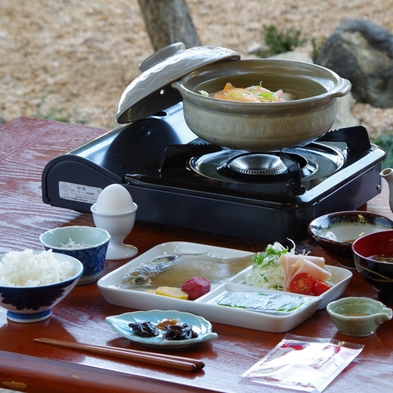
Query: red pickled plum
[[196, 287]]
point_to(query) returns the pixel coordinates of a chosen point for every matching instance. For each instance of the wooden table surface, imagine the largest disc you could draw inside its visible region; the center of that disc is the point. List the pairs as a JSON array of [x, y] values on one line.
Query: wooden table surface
[[26, 146]]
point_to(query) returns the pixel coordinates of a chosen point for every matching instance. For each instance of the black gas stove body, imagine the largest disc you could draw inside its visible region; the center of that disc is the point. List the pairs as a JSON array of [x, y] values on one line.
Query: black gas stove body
[[158, 160]]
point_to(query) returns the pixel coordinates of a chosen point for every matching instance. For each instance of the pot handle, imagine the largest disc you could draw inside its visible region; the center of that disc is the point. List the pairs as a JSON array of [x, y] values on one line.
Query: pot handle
[[175, 84], [343, 89]]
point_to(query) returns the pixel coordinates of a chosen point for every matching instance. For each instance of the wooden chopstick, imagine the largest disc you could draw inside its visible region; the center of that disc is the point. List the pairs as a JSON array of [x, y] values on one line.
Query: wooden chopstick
[[157, 359]]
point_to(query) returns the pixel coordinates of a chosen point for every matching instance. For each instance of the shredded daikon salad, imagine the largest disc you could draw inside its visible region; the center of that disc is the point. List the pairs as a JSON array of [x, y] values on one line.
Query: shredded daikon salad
[[267, 272], [72, 244]]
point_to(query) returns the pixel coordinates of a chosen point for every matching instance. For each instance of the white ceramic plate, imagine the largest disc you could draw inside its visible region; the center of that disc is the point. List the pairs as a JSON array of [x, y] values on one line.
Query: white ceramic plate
[[116, 293], [199, 325]]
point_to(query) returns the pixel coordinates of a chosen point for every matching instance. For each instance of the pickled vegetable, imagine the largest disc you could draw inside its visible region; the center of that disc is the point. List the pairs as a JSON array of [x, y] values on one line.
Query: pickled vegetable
[[179, 332], [172, 292], [165, 322], [144, 329], [196, 287]]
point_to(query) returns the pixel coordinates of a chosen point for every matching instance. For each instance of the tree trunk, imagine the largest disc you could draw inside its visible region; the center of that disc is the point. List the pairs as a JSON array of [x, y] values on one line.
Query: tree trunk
[[168, 21]]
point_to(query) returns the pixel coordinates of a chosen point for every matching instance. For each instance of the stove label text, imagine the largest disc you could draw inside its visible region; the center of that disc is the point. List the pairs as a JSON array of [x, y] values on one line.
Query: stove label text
[[78, 192]]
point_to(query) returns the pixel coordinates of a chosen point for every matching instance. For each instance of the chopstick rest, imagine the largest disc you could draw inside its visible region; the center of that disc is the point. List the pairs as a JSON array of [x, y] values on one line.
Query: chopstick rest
[[157, 359]]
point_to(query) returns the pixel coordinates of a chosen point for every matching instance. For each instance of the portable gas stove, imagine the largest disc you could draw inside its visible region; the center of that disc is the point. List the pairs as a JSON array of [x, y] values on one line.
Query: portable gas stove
[[180, 180]]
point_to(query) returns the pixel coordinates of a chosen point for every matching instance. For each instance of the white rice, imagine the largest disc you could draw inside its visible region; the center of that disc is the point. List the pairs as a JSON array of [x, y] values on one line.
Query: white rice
[[27, 269]]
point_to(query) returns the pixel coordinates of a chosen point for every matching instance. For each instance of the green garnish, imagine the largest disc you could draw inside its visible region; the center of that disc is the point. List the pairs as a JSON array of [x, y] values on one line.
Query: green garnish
[[271, 254], [204, 93]]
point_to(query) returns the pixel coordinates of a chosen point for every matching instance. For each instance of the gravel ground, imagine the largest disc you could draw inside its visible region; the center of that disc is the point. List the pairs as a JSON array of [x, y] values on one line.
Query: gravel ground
[[72, 59]]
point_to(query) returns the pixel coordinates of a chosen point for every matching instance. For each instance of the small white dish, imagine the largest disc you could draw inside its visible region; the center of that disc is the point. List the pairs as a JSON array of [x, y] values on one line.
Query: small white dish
[[120, 323]]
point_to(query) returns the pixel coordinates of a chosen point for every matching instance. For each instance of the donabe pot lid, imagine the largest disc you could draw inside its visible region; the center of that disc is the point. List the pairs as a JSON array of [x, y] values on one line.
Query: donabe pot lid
[[151, 92]]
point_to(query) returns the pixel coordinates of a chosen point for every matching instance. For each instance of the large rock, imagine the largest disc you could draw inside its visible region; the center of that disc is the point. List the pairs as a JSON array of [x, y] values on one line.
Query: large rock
[[363, 53]]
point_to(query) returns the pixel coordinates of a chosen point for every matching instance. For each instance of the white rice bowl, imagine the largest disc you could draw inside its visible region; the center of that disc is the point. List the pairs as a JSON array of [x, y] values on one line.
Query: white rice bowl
[[30, 269], [32, 282]]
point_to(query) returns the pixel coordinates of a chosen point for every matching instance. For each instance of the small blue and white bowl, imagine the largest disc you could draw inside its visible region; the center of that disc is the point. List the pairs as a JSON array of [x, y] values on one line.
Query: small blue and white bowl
[[27, 304], [87, 244]]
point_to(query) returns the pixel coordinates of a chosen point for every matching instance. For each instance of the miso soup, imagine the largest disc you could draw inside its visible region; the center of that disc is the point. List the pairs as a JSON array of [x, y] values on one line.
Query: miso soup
[[382, 258]]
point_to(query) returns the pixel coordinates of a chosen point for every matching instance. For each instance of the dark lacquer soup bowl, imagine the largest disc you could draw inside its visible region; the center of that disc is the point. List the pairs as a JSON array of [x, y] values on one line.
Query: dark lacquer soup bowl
[[373, 256]]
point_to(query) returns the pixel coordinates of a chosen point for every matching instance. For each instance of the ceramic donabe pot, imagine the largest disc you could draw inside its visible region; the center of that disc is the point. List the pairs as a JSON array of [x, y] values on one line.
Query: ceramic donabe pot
[[262, 126]]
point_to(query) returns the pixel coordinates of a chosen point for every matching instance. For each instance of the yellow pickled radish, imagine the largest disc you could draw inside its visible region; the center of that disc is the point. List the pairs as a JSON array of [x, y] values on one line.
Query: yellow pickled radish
[[172, 292]]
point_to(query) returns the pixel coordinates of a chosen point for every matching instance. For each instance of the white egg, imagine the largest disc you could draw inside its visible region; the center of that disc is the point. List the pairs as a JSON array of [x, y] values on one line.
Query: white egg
[[114, 199]]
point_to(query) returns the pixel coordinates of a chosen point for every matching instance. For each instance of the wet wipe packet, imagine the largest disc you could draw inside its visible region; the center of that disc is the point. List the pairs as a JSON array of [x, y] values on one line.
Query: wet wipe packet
[[303, 363]]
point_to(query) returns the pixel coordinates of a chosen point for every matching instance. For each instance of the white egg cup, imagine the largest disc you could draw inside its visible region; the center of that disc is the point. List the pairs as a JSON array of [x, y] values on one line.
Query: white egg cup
[[119, 226]]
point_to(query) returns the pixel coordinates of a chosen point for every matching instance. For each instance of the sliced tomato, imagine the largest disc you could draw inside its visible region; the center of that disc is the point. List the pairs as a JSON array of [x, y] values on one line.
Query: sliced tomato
[[302, 283], [319, 287]]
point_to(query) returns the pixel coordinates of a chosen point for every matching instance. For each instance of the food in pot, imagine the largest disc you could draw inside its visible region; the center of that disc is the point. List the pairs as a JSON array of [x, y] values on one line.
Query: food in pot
[[29, 269], [249, 94], [174, 270], [196, 287]]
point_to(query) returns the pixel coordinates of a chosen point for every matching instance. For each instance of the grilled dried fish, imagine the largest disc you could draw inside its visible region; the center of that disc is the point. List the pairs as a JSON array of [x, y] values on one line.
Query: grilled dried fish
[[174, 270]]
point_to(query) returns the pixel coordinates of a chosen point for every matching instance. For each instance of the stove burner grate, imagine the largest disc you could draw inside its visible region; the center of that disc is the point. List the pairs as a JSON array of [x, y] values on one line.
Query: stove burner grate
[[312, 162], [257, 164]]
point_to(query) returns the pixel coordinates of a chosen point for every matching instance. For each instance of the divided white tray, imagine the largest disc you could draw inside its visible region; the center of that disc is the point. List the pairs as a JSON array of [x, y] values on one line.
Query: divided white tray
[[116, 293]]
